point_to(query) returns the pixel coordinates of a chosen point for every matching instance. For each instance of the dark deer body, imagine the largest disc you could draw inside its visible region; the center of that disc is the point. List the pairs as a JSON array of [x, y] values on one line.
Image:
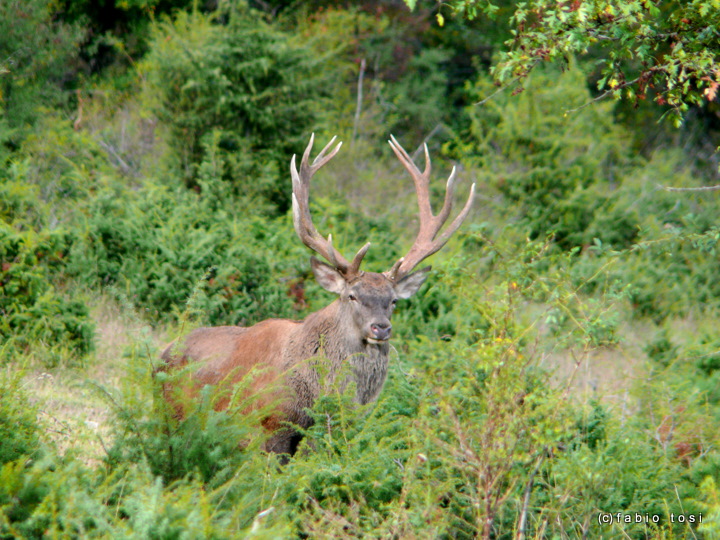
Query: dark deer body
[[350, 336]]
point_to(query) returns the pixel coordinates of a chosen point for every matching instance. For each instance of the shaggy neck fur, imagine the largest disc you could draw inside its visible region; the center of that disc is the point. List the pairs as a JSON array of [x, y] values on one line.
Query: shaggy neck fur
[[324, 339]]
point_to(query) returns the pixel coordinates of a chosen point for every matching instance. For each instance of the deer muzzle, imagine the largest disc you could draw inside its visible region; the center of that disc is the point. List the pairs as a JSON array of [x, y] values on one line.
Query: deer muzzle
[[379, 332]]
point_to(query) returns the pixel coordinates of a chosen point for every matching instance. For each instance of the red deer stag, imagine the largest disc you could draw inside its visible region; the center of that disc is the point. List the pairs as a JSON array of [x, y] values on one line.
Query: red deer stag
[[351, 333]]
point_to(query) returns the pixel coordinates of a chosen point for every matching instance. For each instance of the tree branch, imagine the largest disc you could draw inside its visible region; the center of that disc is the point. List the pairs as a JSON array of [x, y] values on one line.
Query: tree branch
[[702, 188], [605, 94], [358, 107]]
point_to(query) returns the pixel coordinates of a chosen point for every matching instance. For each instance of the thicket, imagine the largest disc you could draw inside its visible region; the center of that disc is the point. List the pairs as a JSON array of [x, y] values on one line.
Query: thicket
[[239, 97], [158, 176], [38, 314], [38, 53]]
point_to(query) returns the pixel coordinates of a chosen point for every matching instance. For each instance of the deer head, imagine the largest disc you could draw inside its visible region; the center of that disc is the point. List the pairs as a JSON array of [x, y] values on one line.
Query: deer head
[[367, 299]]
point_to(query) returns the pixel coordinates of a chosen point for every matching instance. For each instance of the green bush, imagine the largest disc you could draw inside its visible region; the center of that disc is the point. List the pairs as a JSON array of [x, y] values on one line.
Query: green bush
[[19, 431], [624, 473], [37, 57], [467, 438], [238, 90], [152, 246], [36, 315], [557, 169], [205, 443]]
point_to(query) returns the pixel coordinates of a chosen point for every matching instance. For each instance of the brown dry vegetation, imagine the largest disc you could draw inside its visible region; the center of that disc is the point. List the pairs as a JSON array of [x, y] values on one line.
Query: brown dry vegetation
[[73, 407]]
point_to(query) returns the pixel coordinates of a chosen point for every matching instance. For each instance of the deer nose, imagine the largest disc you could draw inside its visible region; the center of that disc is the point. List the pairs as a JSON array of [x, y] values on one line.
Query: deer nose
[[381, 331]]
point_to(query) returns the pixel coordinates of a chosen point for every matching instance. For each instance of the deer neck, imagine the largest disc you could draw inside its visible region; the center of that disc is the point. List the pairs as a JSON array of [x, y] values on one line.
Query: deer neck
[[326, 331]]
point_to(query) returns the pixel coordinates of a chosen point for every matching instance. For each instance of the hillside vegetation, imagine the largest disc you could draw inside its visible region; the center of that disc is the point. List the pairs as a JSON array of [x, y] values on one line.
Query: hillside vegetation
[[558, 375]]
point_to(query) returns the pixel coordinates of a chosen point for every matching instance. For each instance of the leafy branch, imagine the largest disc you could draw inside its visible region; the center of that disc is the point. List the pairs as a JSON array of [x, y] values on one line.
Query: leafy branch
[[666, 50]]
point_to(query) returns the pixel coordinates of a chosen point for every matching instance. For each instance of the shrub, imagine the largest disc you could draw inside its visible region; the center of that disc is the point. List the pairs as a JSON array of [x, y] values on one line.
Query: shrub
[[239, 90], [151, 247], [36, 56], [19, 431], [36, 315], [558, 171], [205, 443]]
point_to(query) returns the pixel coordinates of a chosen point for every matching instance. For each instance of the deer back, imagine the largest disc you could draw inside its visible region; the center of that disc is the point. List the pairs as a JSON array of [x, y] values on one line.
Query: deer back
[[225, 355]]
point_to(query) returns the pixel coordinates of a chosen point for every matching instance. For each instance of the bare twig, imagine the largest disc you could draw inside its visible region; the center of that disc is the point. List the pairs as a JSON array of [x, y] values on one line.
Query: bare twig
[[429, 136], [78, 120], [122, 164], [496, 92], [680, 501], [605, 94], [358, 107], [701, 188], [522, 522], [508, 85]]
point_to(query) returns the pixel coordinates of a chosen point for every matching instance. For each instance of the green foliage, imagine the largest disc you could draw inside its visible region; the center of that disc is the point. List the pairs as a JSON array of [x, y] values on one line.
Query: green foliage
[[623, 474], [711, 507], [419, 99], [662, 350], [573, 176], [153, 245], [553, 167], [238, 94], [37, 53], [467, 439], [204, 444], [573, 253], [19, 431], [670, 270], [64, 164], [394, 72], [669, 48], [36, 316], [62, 499]]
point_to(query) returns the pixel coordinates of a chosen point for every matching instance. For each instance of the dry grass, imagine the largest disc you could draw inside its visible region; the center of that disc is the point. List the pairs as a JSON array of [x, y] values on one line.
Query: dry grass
[[71, 404], [605, 372]]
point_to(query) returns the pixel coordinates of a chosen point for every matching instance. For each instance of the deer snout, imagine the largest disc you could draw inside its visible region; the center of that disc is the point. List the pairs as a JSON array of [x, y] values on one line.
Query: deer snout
[[380, 331]]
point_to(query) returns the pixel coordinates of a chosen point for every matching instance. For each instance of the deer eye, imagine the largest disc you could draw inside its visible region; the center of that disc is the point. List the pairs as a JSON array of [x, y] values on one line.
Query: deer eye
[[352, 297]]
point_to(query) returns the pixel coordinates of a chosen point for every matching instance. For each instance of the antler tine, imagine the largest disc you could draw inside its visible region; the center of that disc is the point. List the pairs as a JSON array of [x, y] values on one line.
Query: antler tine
[[310, 237], [333, 254], [302, 220], [426, 243], [428, 164], [354, 268], [455, 225], [449, 192], [321, 158], [392, 273], [421, 180]]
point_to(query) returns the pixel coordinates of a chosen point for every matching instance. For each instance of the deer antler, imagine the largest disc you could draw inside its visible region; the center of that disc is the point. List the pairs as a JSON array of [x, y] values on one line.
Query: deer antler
[[426, 244], [301, 211]]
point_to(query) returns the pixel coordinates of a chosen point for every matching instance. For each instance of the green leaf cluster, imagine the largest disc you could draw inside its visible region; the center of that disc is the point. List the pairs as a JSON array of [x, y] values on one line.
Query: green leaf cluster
[[37, 53], [665, 50], [238, 94], [38, 316]]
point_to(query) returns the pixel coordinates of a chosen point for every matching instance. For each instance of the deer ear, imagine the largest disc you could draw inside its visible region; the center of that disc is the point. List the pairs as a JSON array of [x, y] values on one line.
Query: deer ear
[[327, 276], [410, 284]]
